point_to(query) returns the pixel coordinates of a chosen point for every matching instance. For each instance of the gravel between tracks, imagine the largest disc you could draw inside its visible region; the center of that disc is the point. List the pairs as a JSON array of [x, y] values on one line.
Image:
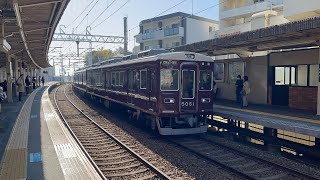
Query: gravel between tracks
[[163, 154], [265, 155]]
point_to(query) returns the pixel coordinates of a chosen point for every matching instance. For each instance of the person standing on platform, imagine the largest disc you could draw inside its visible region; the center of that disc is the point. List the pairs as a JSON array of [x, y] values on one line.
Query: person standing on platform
[[20, 86], [42, 80], [246, 91], [34, 82], [4, 86], [27, 82], [39, 81], [239, 87]]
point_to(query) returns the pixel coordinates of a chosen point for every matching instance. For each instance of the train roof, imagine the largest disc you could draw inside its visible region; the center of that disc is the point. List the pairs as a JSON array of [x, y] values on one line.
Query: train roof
[[177, 56]]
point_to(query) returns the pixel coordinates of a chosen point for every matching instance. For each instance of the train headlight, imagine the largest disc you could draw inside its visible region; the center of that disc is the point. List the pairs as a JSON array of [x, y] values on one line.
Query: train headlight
[[205, 100], [169, 100]]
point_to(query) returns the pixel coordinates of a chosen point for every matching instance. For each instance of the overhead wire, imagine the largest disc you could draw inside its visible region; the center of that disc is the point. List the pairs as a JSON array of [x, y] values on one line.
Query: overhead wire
[[80, 14]]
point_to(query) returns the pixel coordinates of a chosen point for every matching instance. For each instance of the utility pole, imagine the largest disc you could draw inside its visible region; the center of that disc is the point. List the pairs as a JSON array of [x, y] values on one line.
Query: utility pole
[[62, 70], [125, 27]]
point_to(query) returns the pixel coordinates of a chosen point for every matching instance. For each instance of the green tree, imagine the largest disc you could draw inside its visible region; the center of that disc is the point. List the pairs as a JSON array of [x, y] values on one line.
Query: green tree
[[99, 55]]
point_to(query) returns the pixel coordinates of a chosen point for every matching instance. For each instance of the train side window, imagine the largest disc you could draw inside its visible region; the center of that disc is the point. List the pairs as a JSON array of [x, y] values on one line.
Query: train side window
[[143, 79], [113, 79], [117, 78], [131, 80], [121, 78], [205, 80]]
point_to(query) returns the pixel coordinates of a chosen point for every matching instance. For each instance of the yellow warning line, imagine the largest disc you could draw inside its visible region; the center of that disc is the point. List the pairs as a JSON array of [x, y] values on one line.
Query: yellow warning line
[[268, 114]]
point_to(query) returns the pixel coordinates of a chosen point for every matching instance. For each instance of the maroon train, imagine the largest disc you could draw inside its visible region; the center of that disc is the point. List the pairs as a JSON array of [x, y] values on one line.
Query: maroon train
[[171, 92]]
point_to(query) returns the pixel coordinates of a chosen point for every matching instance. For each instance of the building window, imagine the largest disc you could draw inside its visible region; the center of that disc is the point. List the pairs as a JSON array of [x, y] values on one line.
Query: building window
[[313, 74], [160, 25], [302, 75], [210, 29], [160, 43], [257, 1], [175, 44]]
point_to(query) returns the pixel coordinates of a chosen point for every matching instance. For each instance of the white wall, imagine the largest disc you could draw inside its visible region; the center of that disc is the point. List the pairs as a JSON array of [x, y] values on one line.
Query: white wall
[[198, 30], [301, 9]]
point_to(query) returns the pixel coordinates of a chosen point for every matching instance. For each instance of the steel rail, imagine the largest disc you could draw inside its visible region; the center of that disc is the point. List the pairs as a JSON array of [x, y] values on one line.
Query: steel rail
[[76, 138], [154, 169], [292, 170], [240, 173], [235, 151]]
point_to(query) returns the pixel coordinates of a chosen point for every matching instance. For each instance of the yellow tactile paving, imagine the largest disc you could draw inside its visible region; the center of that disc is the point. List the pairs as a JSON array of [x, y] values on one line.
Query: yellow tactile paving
[[14, 162], [268, 114]]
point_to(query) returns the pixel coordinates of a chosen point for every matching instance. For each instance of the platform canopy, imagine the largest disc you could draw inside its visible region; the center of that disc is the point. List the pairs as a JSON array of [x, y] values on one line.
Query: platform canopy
[[299, 34], [29, 26]]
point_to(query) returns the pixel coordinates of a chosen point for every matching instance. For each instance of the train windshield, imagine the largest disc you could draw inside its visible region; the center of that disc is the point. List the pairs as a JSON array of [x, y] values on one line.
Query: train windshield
[[206, 80], [169, 79]]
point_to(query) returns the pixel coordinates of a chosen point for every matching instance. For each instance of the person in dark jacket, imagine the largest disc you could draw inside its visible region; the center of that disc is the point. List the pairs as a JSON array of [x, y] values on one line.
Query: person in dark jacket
[[27, 83], [4, 85], [42, 80], [34, 82], [239, 87]]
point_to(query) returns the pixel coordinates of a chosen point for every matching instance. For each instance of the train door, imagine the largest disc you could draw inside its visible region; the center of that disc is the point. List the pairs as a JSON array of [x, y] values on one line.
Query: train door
[[188, 88], [130, 90]]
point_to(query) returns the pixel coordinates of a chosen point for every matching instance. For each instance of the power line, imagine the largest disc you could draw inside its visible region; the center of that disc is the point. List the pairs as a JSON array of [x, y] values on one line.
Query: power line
[[80, 14], [87, 14], [82, 20], [111, 14], [108, 6]]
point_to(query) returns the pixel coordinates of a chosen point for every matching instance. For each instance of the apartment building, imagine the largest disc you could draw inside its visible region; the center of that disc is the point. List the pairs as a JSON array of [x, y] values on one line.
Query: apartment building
[[237, 16], [173, 30]]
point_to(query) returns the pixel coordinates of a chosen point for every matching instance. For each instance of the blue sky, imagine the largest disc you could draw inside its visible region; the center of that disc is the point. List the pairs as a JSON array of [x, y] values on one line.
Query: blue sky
[[135, 10]]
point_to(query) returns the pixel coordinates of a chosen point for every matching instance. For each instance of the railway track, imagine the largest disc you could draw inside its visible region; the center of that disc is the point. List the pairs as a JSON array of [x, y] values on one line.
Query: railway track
[[245, 165], [111, 157]]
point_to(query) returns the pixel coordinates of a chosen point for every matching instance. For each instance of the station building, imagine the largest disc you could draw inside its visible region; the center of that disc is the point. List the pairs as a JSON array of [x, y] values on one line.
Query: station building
[[282, 76], [173, 30]]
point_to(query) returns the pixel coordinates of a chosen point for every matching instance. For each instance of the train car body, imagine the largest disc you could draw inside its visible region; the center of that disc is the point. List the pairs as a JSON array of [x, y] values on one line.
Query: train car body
[[172, 92]]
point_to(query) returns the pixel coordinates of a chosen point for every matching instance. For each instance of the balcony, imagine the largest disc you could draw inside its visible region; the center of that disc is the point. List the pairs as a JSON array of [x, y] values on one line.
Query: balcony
[[160, 34], [247, 11]]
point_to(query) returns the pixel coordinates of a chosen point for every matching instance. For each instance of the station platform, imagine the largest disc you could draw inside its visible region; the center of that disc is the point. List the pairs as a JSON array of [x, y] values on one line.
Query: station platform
[[39, 146], [298, 121]]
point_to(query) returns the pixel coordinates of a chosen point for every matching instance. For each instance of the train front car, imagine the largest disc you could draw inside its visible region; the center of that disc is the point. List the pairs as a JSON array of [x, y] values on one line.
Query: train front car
[[186, 93]]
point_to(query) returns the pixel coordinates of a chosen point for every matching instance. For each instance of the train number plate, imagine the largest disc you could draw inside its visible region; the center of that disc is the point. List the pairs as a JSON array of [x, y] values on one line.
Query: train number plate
[[187, 104]]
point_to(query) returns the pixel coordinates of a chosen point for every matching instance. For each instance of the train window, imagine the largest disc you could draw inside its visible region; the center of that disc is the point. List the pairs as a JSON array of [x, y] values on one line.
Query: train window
[[143, 79], [169, 80], [206, 80], [188, 84], [113, 79], [131, 80], [117, 78], [121, 78]]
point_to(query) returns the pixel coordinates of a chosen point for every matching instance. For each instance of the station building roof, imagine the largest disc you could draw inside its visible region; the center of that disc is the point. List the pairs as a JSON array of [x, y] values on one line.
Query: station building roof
[[28, 28], [298, 34]]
